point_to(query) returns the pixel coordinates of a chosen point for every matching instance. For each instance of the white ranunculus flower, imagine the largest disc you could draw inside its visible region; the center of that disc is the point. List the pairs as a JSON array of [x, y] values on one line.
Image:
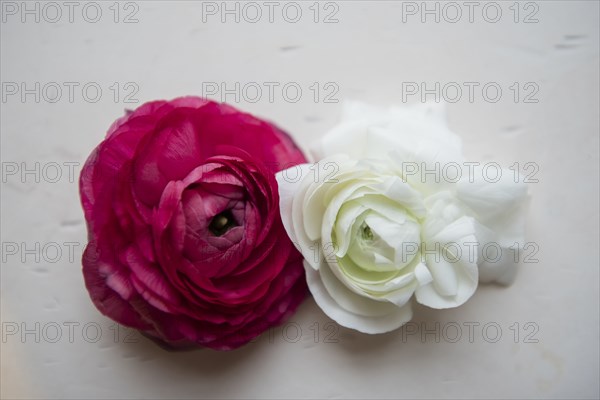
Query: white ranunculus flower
[[392, 210]]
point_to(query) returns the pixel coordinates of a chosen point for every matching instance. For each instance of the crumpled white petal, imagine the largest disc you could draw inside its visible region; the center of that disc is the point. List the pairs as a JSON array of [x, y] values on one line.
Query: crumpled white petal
[[500, 208], [452, 261]]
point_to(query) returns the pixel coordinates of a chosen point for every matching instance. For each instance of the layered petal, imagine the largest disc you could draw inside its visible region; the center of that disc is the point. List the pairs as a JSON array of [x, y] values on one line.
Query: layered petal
[[390, 222], [182, 210], [499, 204], [351, 310]]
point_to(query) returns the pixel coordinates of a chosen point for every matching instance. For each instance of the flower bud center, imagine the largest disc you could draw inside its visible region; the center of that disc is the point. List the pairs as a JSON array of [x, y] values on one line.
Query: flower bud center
[[367, 234], [221, 223]]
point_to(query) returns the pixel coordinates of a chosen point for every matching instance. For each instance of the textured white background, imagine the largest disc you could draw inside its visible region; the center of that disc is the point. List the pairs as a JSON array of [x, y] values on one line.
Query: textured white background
[[369, 53]]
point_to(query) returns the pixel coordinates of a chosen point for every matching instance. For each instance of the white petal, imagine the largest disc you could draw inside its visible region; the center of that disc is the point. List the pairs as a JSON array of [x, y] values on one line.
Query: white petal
[[380, 319], [454, 275], [500, 207], [444, 209], [445, 279], [395, 189], [346, 225], [341, 196], [318, 193], [491, 201], [497, 261], [347, 138], [387, 250], [422, 164], [502, 270], [395, 287], [371, 131], [422, 274], [291, 193], [349, 300]]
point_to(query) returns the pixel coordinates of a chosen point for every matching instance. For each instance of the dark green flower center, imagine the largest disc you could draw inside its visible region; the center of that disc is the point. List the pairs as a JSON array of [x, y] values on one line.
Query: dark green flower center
[[221, 223], [367, 234]]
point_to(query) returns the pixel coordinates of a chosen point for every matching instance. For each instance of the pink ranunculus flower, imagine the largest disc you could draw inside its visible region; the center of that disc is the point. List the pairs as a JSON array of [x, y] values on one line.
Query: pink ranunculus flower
[[185, 238]]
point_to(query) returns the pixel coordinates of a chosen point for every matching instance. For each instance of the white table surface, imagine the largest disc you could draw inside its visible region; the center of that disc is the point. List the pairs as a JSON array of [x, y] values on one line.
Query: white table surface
[[371, 53]]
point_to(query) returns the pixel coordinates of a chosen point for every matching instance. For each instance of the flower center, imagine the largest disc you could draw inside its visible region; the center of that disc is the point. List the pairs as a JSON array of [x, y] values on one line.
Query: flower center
[[367, 234], [221, 223]]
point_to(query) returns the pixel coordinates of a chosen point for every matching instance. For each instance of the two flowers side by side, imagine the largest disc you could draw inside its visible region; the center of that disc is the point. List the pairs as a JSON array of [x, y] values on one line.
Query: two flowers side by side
[[199, 237]]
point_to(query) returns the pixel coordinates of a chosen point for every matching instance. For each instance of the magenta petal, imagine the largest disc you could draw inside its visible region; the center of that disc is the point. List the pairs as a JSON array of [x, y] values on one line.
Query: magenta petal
[[171, 151], [106, 299], [150, 281]]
